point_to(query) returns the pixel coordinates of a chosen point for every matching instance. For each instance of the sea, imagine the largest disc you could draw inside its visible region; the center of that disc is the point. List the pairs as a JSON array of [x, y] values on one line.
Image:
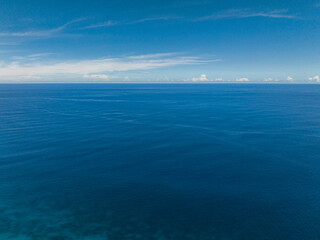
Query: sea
[[159, 162]]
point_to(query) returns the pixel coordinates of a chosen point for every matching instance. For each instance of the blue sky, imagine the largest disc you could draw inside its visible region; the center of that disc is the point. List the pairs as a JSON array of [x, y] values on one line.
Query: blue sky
[[160, 41]]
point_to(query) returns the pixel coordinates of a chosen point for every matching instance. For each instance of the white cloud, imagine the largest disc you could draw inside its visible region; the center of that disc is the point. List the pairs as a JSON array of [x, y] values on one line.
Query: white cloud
[[31, 57], [270, 80], [40, 33], [202, 78], [99, 76], [115, 23], [151, 19], [100, 25], [8, 43], [247, 13], [93, 67], [242, 80], [290, 79], [156, 55], [315, 78]]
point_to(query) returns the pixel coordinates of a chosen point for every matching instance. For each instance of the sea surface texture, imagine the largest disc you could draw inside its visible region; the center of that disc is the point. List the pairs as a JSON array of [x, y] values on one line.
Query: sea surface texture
[[159, 162]]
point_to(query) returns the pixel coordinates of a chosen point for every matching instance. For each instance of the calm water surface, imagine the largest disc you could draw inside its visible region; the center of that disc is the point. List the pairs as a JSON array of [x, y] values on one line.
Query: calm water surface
[[180, 162]]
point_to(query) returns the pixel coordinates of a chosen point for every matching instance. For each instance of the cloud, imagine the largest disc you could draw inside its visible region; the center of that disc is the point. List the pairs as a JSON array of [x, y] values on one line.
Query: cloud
[[290, 79], [231, 13], [202, 78], [269, 80], [242, 80], [31, 57], [8, 43], [156, 55], [165, 18], [142, 20], [99, 76], [247, 13], [40, 33], [101, 25], [315, 78], [95, 68]]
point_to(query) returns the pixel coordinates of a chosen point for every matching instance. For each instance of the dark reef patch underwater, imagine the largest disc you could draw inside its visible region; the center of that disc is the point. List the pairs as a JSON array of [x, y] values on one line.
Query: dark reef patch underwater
[[159, 161]]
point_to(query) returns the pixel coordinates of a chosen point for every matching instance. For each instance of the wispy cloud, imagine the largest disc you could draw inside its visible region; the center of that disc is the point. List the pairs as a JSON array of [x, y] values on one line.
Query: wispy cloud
[[101, 25], [247, 13], [152, 19], [231, 13], [8, 43], [40, 33], [31, 57], [142, 20], [94, 68], [156, 55]]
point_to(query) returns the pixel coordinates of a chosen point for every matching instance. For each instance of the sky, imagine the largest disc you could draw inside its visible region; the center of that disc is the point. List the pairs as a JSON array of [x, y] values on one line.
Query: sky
[[208, 41]]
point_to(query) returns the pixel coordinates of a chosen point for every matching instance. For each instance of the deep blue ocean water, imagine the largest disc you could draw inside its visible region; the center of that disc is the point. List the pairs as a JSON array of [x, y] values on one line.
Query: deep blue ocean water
[[158, 162]]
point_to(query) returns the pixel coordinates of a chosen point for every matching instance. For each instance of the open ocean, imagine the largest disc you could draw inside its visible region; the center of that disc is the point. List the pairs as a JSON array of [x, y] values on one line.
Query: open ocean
[[159, 162]]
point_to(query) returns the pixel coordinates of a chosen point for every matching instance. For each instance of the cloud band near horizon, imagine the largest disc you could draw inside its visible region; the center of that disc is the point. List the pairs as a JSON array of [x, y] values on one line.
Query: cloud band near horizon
[[21, 70]]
